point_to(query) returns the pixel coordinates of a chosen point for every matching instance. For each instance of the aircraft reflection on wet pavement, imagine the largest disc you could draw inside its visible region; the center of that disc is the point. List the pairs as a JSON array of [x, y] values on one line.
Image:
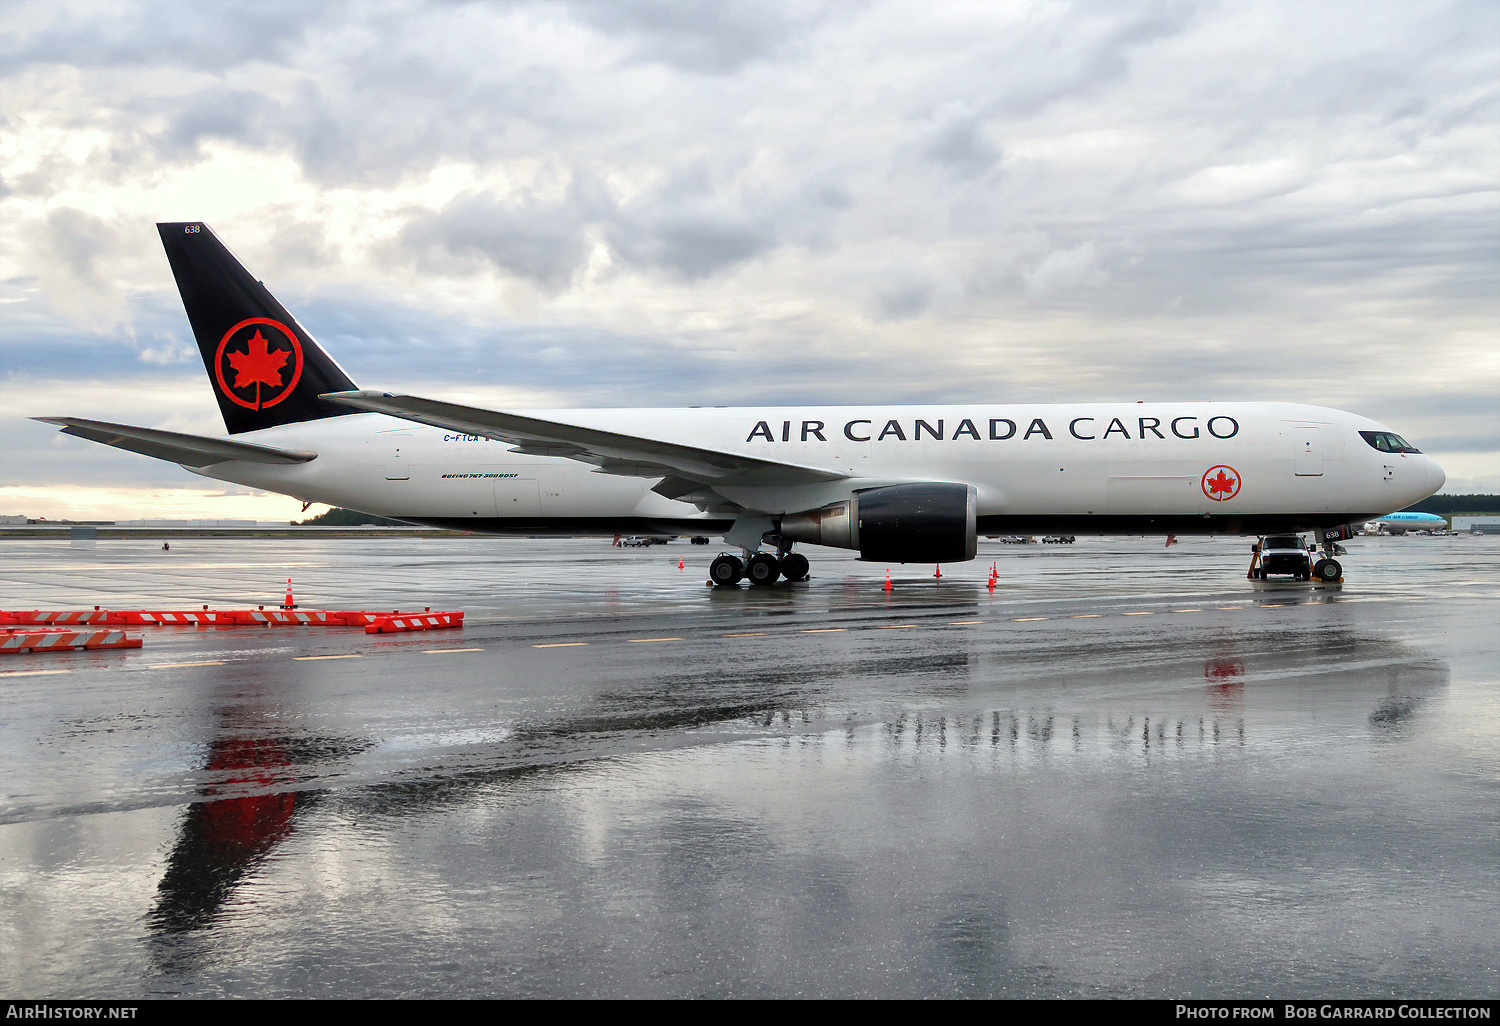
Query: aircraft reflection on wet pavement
[[251, 799], [254, 782]]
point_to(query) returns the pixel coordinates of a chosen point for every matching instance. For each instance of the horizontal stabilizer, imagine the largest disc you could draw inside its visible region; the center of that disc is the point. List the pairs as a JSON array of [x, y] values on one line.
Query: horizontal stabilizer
[[609, 451], [175, 447]]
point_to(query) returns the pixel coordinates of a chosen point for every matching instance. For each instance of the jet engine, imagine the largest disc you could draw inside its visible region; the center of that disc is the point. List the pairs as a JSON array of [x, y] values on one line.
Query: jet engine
[[904, 523]]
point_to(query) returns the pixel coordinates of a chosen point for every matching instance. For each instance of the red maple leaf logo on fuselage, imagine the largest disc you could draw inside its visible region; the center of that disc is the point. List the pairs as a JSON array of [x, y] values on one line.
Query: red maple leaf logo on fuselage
[[1221, 483]]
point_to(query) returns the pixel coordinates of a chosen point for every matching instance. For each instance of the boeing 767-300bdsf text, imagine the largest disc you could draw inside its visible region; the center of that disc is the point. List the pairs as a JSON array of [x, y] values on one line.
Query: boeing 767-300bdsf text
[[897, 483]]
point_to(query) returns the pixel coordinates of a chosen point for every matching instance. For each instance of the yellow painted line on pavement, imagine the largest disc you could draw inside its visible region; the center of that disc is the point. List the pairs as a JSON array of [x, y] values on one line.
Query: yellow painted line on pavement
[[441, 651], [171, 666], [31, 673], [825, 630], [1087, 616], [643, 641], [562, 644], [897, 626], [1028, 619], [308, 659], [747, 634], [1140, 612], [963, 623], [1187, 610]]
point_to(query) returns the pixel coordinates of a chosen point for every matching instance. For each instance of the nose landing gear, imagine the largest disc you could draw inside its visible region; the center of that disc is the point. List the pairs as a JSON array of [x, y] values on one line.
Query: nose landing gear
[[1327, 569]]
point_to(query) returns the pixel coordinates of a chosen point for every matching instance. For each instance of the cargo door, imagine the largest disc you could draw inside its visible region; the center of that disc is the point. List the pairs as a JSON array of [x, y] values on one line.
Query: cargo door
[[1308, 445], [518, 497]]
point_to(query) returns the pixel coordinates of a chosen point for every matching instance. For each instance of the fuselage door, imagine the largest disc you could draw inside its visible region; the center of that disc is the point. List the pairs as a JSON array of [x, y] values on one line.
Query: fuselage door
[[397, 457], [518, 497], [1307, 444]]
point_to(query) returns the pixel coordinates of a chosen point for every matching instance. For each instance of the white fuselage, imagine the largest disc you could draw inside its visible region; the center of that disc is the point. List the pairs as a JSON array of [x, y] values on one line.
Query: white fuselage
[[1211, 467]]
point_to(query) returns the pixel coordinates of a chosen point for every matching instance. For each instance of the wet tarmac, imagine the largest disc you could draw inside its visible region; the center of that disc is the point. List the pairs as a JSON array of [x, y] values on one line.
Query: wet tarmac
[[1125, 772]]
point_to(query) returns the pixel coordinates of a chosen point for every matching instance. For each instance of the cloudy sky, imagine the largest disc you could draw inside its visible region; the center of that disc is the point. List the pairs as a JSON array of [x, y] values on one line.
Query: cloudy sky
[[648, 203]]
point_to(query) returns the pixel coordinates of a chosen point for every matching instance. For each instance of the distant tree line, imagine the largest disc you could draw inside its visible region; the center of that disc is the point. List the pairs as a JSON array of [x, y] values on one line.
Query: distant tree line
[[337, 517], [1447, 505]]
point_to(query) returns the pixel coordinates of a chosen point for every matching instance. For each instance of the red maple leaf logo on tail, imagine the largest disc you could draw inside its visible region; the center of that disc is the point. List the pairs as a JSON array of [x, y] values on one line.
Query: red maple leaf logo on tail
[[257, 364]]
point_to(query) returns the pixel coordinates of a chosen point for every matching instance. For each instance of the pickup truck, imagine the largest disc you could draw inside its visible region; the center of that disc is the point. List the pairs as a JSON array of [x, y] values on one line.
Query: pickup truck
[[1282, 555]]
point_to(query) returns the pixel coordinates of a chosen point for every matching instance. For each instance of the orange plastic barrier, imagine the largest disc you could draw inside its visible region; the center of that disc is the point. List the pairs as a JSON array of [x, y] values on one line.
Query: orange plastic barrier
[[392, 623], [55, 616], [261, 617], [13, 642], [285, 618], [361, 617], [156, 618]]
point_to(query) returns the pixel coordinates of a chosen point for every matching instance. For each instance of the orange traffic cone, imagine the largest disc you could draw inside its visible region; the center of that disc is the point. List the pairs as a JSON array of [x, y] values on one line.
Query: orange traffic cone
[[887, 580], [679, 564], [939, 572], [288, 604]]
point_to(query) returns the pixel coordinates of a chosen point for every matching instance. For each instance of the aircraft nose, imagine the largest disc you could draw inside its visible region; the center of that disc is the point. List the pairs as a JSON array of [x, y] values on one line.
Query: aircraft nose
[[1435, 476]]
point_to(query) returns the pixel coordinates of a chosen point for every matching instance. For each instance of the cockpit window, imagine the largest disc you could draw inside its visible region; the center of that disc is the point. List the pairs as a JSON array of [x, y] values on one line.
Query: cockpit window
[[1387, 442]]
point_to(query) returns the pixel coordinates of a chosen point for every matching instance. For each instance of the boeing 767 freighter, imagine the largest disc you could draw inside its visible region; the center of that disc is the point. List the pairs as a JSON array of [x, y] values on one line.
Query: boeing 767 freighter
[[896, 483]]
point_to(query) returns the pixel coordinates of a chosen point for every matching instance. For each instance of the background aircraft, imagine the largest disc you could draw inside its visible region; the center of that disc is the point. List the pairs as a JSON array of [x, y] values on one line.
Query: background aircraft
[[1400, 523]]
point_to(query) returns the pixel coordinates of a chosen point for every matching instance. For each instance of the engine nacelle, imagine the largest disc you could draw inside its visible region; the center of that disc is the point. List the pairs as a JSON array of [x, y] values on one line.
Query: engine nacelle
[[905, 523]]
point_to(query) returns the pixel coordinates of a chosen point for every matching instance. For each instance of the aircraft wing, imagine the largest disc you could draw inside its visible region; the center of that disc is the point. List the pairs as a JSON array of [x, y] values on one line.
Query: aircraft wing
[[687, 469], [175, 447]]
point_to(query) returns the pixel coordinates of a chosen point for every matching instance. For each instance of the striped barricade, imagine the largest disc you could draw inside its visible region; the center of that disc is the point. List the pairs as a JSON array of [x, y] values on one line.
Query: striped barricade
[[395, 620], [15, 642], [61, 617], [365, 617], [392, 623], [155, 618], [360, 617], [285, 618]]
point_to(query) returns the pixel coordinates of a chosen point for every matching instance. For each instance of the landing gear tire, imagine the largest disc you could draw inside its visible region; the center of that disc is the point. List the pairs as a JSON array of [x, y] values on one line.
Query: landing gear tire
[[794, 566], [726, 571], [762, 569], [1328, 570]]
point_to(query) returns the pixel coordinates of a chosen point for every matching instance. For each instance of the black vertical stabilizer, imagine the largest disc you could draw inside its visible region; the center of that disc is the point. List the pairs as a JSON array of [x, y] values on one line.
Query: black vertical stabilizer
[[264, 369]]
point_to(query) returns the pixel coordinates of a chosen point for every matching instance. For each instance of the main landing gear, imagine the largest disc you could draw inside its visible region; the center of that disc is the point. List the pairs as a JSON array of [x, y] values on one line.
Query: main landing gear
[[761, 568]]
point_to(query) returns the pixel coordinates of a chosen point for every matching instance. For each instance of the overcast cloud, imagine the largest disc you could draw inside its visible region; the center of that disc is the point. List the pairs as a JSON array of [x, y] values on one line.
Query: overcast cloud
[[664, 203]]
